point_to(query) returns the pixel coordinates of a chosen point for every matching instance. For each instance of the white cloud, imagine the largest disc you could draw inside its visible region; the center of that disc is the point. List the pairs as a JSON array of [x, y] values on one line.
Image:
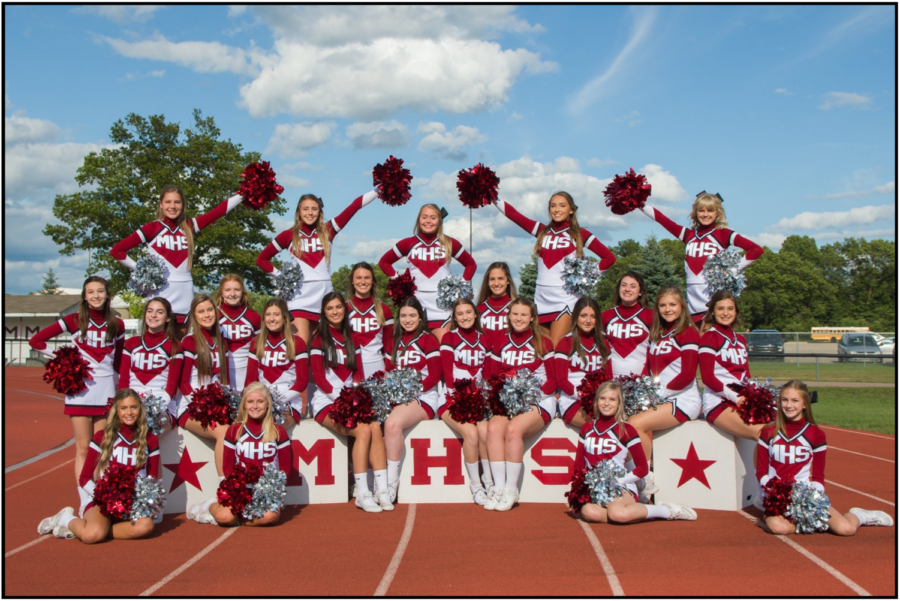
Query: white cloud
[[448, 144], [120, 14], [22, 277], [809, 220], [50, 168], [236, 9], [20, 129], [293, 140], [773, 241], [888, 188], [784, 91], [301, 165], [131, 76], [514, 116], [292, 181], [7, 103], [842, 99], [665, 187], [377, 134], [203, 57], [602, 162], [633, 118]]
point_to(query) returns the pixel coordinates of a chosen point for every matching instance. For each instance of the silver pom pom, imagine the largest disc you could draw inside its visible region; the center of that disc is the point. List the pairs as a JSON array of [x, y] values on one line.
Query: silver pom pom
[[289, 282], [268, 493], [281, 408], [808, 510], [579, 276], [149, 275], [520, 393], [157, 411], [399, 387], [452, 288], [149, 498], [381, 406], [722, 273], [603, 482], [486, 393], [640, 393], [233, 398]]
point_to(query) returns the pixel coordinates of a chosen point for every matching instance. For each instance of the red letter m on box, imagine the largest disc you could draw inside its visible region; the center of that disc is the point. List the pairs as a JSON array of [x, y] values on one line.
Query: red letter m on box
[[320, 452]]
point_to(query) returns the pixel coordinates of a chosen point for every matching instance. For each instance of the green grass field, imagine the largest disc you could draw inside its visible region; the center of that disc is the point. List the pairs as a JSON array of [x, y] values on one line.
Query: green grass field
[[869, 409], [828, 372]]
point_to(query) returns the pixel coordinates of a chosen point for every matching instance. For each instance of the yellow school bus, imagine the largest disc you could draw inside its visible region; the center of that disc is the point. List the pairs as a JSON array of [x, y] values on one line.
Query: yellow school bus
[[833, 334]]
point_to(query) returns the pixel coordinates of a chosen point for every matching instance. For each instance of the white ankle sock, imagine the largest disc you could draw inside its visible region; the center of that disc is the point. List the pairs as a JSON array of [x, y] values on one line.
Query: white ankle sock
[[393, 472], [498, 469], [362, 483], [64, 520], [472, 469], [512, 475], [486, 469], [380, 479], [657, 512]]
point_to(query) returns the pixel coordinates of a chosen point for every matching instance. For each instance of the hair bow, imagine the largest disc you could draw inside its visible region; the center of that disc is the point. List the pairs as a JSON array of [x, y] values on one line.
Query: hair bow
[[717, 195]]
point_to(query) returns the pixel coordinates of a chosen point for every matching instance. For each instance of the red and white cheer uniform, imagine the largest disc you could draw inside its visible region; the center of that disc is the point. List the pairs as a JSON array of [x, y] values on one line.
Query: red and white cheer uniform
[[494, 312], [799, 453], [571, 369], [239, 326], [723, 361], [463, 352], [422, 354], [604, 439], [516, 351], [248, 448], [277, 370], [376, 341], [627, 331], [330, 379], [191, 379], [673, 360], [151, 365]]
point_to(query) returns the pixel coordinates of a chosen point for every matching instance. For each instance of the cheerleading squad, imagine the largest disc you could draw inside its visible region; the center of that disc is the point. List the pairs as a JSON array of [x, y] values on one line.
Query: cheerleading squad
[[552, 356]]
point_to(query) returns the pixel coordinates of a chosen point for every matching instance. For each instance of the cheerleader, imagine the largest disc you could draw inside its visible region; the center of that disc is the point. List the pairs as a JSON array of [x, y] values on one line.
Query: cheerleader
[[152, 361], [523, 347], [253, 439], [370, 318], [560, 238], [171, 238], [99, 336], [497, 291], [723, 361], [239, 325], [337, 362], [627, 326], [309, 244], [672, 360], [794, 447], [204, 364], [279, 360], [428, 254], [580, 352], [124, 440], [418, 349], [610, 438], [708, 236], [463, 351]]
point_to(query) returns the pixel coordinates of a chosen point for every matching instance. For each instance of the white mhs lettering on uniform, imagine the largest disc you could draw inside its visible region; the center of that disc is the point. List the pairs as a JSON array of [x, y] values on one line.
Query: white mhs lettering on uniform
[[786, 455], [554, 242], [470, 357], [700, 249], [734, 355], [95, 338], [256, 450], [309, 245], [624, 330], [493, 322], [237, 331], [661, 348], [601, 446], [148, 361], [364, 324], [427, 253], [409, 357], [275, 359], [517, 357], [171, 242], [124, 455], [593, 363]]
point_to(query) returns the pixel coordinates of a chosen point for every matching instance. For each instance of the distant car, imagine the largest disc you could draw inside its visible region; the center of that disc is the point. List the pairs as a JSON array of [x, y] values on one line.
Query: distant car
[[887, 346], [765, 345], [859, 347]]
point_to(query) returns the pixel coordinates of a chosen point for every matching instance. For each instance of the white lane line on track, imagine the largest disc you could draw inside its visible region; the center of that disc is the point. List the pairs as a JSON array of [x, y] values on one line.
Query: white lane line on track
[[863, 454], [859, 492], [388, 577], [228, 532], [57, 397], [25, 546], [816, 560], [22, 464], [52, 469], [608, 569], [855, 432]]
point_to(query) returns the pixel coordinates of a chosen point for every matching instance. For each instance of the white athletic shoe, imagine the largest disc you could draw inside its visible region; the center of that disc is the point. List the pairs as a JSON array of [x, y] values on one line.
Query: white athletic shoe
[[199, 512], [494, 495], [383, 498], [680, 512], [63, 532], [871, 517], [392, 489], [48, 524], [367, 503], [479, 495], [487, 481], [650, 487], [507, 501]]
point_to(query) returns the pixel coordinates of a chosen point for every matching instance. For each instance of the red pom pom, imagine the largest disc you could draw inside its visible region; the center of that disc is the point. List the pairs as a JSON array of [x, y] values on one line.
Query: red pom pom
[[627, 193], [495, 387], [234, 491], [466, 402], [67, 371], [393, 181], [259, 187], [579, 494], [401, 288], [588, 388], [777, 496], [758, 406], [113, 493], [209, 406], [353, 406], [477, 186]]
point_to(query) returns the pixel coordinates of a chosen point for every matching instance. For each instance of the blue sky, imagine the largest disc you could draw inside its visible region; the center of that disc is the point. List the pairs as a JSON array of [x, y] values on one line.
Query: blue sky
[[787, 111]]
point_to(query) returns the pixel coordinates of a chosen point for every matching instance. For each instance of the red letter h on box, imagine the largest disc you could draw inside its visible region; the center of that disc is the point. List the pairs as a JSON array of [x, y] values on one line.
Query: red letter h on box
[[452, 461]]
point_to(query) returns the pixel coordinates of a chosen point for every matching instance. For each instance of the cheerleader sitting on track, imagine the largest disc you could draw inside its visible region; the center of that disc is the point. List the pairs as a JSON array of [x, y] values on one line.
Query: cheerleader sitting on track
[[580, 352], [415, 348], [239, 325], [673, 360], [610, 438], [794, 447], [560, 238], [99, 336], [497, 291], [253, 439], [309, 244], [627, 326], [171, 238], [707, 237], [463, 350], [429, 252], [151, 362], [370, 318], [279, 359], [337, 362], [124, 441], [523, 347]]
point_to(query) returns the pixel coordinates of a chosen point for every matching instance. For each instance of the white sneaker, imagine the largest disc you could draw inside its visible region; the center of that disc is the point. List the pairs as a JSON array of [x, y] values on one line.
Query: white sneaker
[[392, 489], [650, 487], [367, 503], [48, 524], [63, 532], [507, 501], [493, 495], [487, 481], [680, 512], [871, 517], [383, 498], [199, 512], [480, 496]]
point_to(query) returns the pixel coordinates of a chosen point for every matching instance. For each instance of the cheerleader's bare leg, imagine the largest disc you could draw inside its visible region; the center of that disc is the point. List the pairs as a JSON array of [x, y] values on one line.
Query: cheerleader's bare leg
[[560, 327], [469, 433], [84, 427], [649, 421], [128, 531], [217, 434], [301, 328], [522, 425], [93, 528], [401, 418], [732, 423], [439, 332], [579, 419], [592, 512]]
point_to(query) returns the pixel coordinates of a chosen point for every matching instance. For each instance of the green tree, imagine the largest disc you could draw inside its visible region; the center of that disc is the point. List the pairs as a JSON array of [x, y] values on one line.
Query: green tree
[[121, 190], [674, 249], [527, 279], [50, 285], [627, 252], [656, 267], [258, 301], [135, 303]]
